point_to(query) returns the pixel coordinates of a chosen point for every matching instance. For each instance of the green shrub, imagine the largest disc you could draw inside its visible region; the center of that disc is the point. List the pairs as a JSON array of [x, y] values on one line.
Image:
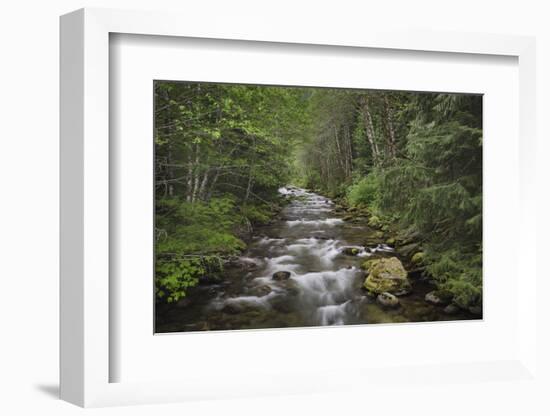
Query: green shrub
[[458, 272], [366, 191], [190, 241]]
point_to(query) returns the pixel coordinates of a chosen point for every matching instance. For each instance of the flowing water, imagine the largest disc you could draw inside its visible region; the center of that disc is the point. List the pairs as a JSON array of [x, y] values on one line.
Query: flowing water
[[324, 286]]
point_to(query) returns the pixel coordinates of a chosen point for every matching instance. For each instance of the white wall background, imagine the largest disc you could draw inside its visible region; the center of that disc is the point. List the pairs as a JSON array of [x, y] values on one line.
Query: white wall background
[[29, 184]]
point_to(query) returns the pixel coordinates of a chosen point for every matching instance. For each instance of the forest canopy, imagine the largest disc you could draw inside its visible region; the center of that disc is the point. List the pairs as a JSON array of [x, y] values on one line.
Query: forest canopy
[[413, 160]]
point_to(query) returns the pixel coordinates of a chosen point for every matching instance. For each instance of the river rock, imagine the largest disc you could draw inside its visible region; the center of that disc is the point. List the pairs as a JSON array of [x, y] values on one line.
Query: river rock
[[439, 297], [408, 249], [233, 308], [323, 237], [239, 263], [451, 309], [387, 275], [261, 290], [282, 304], [374, 222], [475, 310], [350, 251], [282, 275], [388, 300]]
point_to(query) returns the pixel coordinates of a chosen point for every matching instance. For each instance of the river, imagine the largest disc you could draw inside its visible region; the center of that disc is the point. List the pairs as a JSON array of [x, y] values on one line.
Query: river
[[324, 286]]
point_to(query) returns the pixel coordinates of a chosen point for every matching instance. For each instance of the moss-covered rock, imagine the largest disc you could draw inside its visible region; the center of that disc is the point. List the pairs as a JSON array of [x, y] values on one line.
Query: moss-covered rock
[[388, 300], [408, 249], [350, 251], [374, 222], [367, 264], [418, 258], [387, 275]]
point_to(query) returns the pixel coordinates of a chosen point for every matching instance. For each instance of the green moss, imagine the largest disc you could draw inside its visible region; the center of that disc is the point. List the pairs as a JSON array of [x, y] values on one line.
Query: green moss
[[374, 222], [367, 264], [386, 275], [418, 258]]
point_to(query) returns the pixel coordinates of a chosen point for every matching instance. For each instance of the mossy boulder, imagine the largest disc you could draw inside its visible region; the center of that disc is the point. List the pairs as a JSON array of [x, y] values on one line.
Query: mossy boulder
[[408, 249], [350, 251], [388, 300], [367, 264], [387, 275], [379, 235], [418, 258], [374, 222]]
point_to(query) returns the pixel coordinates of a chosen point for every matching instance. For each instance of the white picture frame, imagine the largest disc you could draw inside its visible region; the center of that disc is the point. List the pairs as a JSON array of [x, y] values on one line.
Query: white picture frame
[[86, 356]]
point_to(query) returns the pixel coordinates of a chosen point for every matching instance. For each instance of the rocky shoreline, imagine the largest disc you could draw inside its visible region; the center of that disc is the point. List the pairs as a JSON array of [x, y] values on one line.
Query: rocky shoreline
[[390, 276]]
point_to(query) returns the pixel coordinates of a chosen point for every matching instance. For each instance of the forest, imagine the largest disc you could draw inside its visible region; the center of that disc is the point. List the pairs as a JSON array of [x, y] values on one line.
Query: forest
[[405, 165]]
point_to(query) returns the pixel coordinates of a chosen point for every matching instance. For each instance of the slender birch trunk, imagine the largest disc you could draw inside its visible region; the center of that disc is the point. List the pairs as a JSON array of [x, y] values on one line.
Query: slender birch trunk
[[369, 129], [390, 131]]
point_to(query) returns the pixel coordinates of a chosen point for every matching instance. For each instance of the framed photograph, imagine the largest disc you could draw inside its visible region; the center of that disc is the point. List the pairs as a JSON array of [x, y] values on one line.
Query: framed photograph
[[238, 208]]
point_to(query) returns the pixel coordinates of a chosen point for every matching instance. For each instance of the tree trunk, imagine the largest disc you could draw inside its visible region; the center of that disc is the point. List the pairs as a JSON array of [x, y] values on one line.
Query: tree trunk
[[251, 171], [369, 130], [196, 175], [202, 189], [340, 155], [189, 192], [390, 131]]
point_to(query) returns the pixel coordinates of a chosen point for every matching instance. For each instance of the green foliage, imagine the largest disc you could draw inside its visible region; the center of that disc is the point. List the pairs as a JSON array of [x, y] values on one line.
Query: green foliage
[[190, 240], [221, 153], [258, 214], [458, 272], [365, 191], [175, 276]]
